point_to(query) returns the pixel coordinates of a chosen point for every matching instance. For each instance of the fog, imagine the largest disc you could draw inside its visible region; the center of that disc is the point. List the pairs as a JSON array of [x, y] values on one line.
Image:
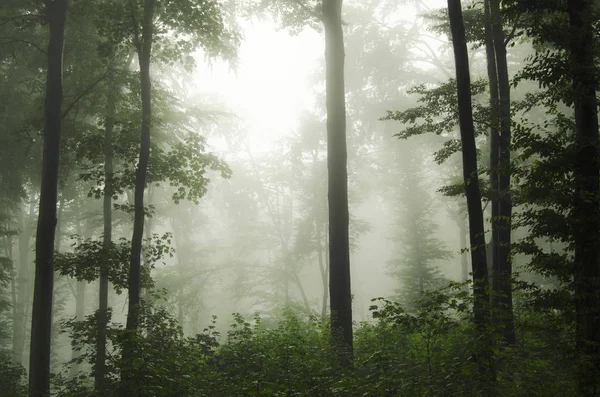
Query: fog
[[238, 106]]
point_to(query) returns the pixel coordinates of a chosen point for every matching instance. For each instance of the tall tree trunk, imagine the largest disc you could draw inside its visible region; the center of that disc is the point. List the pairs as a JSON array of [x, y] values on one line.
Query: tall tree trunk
[[586, 206], [492, 73], [23, 291], [100, 368], [339, 252], [144, 48], [471, 179], [41, 319], [502, 278]]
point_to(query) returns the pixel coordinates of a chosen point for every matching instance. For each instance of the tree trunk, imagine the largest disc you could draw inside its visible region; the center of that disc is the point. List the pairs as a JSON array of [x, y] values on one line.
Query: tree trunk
[[502, 278], [100, 370], [464, 262], [144, 48], [79, 314], [339, 277], [471, 179], [586, 208], [23, 291], [492, 73], [41, 319], [322, 267]]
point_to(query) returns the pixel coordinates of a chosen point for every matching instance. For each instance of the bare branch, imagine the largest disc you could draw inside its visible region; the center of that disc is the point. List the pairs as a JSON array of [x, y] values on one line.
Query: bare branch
[[4, 21], [15, 40], [86, 91]]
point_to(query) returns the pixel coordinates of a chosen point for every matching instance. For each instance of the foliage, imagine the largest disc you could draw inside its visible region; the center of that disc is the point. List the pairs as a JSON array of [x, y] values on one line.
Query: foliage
[[438, 114], [424, 352], [12, 377], [89, 257]]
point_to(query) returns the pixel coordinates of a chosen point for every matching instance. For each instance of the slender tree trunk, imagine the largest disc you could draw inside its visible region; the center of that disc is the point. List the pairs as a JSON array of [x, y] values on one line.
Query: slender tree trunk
[[464, 262], [23, 291], [471, 179], [492, 73], [79, 301], [322, 267], [339, 277], [144, 48], [41, 319], [100, 368], [586, 206], [502, 281], [79, 315]]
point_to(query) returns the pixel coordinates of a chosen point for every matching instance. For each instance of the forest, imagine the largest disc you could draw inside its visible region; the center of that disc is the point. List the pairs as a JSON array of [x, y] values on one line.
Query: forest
[[354, 198]]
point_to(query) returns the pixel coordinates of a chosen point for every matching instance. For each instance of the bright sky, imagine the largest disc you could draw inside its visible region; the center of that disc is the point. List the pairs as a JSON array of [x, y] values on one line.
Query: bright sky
[[271, 85]]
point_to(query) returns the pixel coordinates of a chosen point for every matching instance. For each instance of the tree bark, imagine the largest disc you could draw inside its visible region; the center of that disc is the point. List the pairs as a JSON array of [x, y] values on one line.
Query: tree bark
[[471, 180], [100, 368], [586, 206], [144, 49], [502, 277], [339, 252], [41, 319]]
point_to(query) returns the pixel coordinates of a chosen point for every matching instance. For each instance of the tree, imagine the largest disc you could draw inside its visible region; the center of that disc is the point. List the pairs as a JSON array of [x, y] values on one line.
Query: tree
[[339, 245], [295, 15], [143, 46], [41, 325], [586, 205], [203, 23], [502, 266], [415, 265], [471, 181]]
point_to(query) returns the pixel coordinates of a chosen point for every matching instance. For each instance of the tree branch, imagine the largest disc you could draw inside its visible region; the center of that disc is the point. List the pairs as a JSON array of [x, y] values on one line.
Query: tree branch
[[86, 91], [511, 35], [4, 21], [14, 40]]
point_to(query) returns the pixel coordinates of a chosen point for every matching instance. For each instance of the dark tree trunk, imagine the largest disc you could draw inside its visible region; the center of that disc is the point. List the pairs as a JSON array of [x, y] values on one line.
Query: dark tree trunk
[[492, 73], [471, 179], [100, 370], [586, 208], [502, 279], [41, 319], [144, 48], [339, 252]]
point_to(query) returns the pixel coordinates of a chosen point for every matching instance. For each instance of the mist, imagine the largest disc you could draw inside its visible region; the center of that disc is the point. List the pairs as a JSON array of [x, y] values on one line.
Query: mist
[[299, 198]]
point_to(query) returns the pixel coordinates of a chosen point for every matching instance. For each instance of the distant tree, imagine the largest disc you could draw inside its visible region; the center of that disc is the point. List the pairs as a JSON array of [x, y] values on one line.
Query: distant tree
[[418, 248]]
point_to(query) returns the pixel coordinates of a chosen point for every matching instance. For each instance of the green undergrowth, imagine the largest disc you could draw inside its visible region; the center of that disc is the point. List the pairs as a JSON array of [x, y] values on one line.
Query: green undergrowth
[[425, 352]]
